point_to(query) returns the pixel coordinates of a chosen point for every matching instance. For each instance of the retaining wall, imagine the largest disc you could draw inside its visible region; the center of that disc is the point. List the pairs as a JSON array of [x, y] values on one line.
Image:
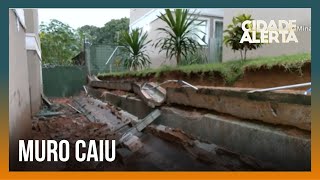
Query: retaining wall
[[270, 107]]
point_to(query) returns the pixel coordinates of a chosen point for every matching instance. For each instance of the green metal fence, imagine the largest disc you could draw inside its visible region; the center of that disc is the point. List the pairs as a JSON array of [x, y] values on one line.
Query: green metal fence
[[63, 81], [105, 59]]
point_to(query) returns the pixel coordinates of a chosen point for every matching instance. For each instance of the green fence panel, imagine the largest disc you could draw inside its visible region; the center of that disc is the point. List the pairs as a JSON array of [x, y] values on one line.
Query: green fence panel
[[97, 57], [63, 81]]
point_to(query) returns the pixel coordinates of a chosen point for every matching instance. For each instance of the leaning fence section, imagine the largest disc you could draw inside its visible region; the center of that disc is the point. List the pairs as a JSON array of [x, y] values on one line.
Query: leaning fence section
[[105, 59]]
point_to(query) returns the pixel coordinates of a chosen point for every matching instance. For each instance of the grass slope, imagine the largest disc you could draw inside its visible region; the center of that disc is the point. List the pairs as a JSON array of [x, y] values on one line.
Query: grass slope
[[230, 71]]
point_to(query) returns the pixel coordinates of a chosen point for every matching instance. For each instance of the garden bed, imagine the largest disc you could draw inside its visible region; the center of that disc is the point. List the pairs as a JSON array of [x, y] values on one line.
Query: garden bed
[[254, 73]]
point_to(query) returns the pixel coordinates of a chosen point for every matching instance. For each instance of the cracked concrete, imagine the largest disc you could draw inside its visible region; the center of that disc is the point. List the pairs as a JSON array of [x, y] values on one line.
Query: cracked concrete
[[287, 149], [293, 110]]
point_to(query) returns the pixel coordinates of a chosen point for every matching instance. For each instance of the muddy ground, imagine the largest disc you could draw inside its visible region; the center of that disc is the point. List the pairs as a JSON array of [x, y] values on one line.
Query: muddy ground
[[252, 78]]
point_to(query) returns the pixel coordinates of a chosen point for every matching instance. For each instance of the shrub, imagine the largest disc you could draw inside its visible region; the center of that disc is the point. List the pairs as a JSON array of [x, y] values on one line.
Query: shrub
[[234, 34]]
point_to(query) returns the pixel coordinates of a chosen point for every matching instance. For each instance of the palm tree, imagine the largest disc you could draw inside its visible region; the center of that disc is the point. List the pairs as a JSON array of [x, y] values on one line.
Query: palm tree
[[180, 34], [135, 43]]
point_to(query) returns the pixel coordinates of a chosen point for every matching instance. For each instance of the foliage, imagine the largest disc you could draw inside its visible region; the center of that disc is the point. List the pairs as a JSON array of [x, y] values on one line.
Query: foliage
[[108, 34], [90, 33], [136, 42], [230, 71], [234, 34], [111, 31], [180, 34], [198, 57], [59, 43]]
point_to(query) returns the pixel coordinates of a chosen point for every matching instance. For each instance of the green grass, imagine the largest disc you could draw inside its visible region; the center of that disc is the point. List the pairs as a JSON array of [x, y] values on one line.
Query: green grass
[[230, 71]]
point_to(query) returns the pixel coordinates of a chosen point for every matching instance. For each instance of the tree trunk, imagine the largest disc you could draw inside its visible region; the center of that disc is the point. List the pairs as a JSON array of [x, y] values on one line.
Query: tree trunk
[[245, 53], [178, 58]]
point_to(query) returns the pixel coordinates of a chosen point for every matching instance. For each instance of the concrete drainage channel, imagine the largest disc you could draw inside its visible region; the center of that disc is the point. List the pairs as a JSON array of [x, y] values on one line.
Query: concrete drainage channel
[[273, 128]]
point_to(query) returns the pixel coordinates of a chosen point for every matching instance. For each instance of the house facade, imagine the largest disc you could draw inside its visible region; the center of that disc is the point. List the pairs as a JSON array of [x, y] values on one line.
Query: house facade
[[148, 20], [216, 21]]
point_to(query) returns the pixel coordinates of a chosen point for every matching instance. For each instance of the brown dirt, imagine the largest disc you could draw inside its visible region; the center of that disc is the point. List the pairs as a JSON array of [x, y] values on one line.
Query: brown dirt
[[252, 78], [70, 125], [277, 76]]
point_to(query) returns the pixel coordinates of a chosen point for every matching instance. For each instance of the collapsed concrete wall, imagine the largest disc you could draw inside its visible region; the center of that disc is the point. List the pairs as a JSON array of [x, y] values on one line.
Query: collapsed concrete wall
[[285, 149], [270, 126], [280, 108], [131, 104], [275, 108], [115, 85]]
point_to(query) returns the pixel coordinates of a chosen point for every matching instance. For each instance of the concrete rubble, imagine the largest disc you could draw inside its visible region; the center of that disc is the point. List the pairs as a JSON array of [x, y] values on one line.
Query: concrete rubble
[[131, 142], [274, 127], [152, 94], [88, 118], [208, 153]]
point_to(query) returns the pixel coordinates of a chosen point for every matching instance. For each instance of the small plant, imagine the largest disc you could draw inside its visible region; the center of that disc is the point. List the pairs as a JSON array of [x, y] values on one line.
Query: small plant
[[180, 33], [198, 57], [234, 34], [135, 43]]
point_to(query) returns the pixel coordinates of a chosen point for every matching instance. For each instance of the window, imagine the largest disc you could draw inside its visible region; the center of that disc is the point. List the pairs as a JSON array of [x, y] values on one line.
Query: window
[[202, 31]]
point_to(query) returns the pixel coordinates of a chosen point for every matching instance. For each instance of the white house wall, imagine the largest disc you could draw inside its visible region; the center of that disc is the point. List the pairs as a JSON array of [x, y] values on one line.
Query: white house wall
[[149, 21], [19, 96], [25, 84], [34, 59]]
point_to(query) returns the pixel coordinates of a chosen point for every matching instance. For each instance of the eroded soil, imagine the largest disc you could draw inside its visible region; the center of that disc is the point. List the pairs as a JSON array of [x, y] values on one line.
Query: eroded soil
[[252, 78]]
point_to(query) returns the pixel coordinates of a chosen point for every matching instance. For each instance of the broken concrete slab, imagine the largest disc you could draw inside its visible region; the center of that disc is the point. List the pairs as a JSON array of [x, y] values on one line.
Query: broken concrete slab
[[115, 85], [270, 107], [152, 94], [209, 153], [288, 149], [125, 116], [173, 135], [148, 119], [142, 124], [100, 112], [132, 105], [131, 142]]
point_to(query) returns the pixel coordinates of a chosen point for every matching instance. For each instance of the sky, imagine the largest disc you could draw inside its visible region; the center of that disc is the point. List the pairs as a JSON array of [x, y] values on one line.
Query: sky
[[80, 17]]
